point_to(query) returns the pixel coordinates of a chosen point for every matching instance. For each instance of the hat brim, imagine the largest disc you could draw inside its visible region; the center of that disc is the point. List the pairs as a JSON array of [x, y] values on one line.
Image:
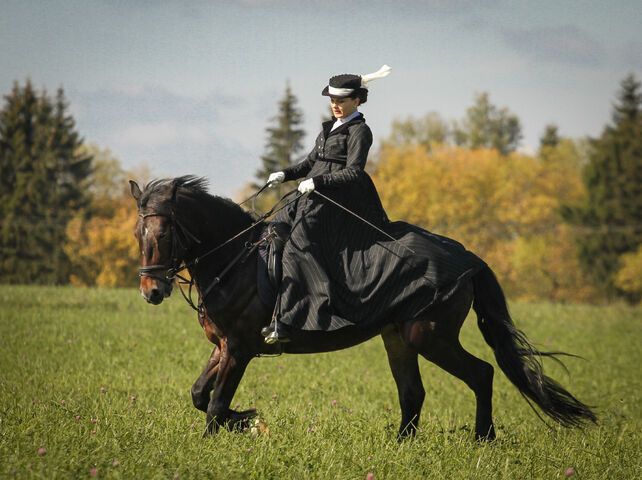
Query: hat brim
[[326, 93]]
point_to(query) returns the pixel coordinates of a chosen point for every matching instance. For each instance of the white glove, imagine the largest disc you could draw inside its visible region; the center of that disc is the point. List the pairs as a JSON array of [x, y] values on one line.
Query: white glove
[[306, 186], [275, 178]]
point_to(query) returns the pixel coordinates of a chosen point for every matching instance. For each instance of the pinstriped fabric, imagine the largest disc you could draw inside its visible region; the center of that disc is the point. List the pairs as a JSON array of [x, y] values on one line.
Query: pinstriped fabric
[[338, 271]]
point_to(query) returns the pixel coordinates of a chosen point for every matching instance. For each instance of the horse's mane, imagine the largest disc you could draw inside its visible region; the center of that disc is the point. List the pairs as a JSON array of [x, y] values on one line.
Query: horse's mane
[[191, 189]]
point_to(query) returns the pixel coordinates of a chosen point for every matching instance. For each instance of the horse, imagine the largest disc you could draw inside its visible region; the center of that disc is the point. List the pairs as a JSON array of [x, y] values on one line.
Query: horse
[[180, 225]]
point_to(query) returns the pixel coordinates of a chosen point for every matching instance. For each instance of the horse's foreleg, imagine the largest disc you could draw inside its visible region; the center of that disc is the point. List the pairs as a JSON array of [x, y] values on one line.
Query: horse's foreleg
[[231, 367], [405, 370], [204, 384]]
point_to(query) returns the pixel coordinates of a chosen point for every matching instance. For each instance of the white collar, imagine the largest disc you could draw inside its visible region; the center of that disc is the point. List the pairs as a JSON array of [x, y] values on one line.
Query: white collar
[[341, 121]]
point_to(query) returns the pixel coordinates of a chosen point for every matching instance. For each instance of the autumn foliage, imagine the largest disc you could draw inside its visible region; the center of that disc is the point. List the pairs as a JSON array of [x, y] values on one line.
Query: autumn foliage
[[504, 208], [100, 238]]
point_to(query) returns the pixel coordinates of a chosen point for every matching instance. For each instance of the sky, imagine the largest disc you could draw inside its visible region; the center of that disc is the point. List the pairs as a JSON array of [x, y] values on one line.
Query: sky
[[190, 86]]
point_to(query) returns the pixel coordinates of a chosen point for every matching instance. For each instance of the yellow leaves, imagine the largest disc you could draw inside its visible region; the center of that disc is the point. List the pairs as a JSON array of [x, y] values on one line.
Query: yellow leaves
[[504, 208], [629, 277], [103, 249]]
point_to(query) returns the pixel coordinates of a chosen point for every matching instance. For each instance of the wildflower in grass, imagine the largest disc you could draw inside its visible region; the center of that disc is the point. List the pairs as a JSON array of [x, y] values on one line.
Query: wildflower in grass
[[115, 462], [259, 427], [93, 472], [42, 451], [334, 403], [370, 476], [570, 471], [77, 418], [103, 389]]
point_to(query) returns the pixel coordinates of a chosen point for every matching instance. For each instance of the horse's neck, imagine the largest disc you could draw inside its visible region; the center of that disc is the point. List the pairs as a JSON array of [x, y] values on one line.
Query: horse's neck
[[215, 234], [222, 276]]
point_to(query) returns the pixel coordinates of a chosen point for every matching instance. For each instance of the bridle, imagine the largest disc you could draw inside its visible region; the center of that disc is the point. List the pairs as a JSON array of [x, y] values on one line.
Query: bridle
[[179, 249], [168, 272]]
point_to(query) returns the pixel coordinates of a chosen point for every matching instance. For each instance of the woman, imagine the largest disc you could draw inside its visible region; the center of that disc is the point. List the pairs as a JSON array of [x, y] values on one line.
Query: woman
[[335, 167], [344, 263]]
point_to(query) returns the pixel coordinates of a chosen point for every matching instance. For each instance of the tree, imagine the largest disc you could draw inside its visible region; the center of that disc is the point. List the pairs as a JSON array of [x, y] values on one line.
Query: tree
[[43, 173], [611, 215], [284, 143], [550, 138], [487, 126], [503, 208], [629, 277], [429, 131], [100, 240], [484, 126]]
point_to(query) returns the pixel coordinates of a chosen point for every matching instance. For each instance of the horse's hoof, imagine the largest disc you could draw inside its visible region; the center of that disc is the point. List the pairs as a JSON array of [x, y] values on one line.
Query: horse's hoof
[[488, 436], [240, 421]]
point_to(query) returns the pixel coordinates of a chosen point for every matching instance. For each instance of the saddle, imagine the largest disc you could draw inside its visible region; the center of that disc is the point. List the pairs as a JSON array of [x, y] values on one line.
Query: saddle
[[269, 271]]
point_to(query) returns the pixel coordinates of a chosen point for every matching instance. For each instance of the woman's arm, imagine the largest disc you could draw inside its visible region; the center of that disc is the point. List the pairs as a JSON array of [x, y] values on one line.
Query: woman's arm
[[302, 168], [359, 143]]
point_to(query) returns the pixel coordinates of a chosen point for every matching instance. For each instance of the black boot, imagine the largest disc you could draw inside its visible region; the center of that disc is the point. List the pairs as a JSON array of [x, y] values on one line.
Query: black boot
[[266, 331]]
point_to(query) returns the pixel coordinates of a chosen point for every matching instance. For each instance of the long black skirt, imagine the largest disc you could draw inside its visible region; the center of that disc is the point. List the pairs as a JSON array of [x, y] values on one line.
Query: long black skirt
[[338, 271]]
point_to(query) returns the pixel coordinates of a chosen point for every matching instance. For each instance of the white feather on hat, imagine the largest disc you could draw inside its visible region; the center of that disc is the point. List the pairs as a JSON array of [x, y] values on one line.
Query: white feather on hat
[[384, 71]]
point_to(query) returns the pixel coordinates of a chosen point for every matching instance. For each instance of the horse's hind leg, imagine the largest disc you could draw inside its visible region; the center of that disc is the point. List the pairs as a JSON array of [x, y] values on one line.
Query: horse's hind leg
[[476, 373], [405, 370], [436, 337], [447, 353]]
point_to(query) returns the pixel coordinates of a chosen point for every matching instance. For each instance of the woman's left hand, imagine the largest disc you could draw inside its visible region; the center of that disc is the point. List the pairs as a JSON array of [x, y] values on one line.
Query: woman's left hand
[[306, 186]]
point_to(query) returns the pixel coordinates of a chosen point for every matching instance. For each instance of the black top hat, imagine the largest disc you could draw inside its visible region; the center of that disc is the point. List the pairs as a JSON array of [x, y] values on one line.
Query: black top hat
[[342, 85], [348, 84]]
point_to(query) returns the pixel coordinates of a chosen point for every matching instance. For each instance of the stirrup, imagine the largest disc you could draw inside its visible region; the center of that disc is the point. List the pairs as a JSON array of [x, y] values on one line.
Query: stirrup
[[271, 339], [274, 336]]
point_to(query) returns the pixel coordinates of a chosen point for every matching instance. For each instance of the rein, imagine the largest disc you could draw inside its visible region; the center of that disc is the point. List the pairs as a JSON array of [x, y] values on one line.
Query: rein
[[365, 221], [172, 271]]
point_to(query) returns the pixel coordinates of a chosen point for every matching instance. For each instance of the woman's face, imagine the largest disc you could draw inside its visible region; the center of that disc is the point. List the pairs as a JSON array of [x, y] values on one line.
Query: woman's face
[[343, 106]]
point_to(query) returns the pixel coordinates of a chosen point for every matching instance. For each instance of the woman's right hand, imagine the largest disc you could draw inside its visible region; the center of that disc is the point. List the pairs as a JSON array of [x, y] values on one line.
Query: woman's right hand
[[275, 178]]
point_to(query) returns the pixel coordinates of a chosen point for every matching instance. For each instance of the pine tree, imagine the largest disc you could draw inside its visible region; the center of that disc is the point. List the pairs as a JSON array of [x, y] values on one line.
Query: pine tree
[[42, 185], [611, 217], [284, 144]]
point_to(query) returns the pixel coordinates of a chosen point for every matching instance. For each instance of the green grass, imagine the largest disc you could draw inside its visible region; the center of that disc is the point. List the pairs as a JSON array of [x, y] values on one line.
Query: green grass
[[101, 380]]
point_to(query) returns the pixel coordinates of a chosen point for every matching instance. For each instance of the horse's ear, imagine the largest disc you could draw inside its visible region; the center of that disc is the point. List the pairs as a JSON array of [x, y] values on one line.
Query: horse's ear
[[135, 189]]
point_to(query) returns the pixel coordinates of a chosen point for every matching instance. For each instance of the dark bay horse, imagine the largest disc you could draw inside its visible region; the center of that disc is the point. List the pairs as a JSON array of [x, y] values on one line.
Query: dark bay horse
[[179, 222]]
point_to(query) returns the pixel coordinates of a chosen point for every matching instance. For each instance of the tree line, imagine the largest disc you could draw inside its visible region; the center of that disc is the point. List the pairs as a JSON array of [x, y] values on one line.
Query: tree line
[[563, 224]]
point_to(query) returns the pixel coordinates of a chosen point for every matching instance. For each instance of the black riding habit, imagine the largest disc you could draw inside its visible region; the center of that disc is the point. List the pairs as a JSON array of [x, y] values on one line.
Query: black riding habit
[[339, 271]]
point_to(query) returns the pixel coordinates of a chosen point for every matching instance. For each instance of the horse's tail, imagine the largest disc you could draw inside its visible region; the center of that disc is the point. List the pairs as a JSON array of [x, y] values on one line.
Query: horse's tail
[[519, 359]]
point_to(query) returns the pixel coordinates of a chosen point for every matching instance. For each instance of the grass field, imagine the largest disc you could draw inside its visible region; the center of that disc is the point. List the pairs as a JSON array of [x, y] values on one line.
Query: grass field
[[96, 383]]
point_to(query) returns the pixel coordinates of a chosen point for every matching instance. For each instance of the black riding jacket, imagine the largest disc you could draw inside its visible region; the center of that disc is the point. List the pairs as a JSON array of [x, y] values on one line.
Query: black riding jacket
[[338, 158]]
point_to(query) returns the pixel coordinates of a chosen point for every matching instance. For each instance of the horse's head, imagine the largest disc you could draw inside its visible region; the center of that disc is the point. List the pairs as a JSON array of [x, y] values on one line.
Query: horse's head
[[174, 224], [156, 234]]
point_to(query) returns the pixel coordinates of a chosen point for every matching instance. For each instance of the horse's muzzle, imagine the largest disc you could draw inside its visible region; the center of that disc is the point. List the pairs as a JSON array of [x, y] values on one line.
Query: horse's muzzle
[[154, 292]]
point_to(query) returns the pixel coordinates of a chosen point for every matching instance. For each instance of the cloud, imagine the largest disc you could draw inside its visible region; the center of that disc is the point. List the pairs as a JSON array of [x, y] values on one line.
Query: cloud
[[430, 6], [174, 134], [563, 44], [145, 104], [159, 134], [631, 55]]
